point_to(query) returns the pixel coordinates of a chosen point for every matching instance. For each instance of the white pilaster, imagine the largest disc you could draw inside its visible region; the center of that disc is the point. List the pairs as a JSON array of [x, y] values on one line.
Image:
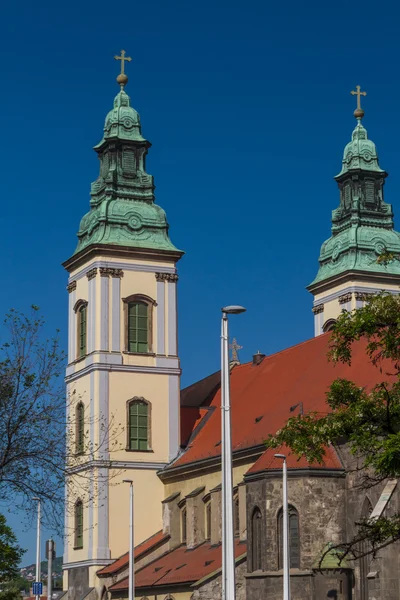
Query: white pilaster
[[104, 311], [72, 329], [160, 317], [116, 314], [172, 320], [173, 416], [91, 337]]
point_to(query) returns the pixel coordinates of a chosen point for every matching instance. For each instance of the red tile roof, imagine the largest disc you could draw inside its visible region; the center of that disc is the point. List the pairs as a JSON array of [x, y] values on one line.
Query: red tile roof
[[191, 417], [123, 561], [267, 461], [262, 395], [180, 566]]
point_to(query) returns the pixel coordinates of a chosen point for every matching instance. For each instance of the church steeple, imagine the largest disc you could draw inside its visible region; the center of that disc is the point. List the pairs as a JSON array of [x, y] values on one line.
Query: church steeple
[[122, 208], [362, 229]]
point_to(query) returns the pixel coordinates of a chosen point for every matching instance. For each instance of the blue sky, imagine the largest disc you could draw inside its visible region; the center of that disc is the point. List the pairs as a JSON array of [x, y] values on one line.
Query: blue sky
[[248, 107]]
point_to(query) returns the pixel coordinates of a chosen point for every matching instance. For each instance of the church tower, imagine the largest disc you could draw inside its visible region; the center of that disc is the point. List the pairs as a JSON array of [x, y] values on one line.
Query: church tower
[[123, 373], [362, 255]]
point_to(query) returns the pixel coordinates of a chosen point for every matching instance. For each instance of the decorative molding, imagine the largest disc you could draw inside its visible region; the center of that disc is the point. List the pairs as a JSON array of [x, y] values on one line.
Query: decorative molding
[[120, 368], [71, 287], [124, 266], [111, 272], [172, 277], [117, 464], [345, 298], [92, 273], [88, 563], [364, 296], [318, 309]]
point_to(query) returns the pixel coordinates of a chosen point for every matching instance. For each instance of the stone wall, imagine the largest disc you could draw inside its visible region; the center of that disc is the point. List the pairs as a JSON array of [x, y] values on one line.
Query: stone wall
[[211, 590]]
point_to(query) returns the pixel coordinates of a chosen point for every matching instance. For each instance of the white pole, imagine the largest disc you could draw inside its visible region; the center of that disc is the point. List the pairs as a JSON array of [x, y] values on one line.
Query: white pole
[[50, 569], [228, 551], [131, 542], [286, 557], [38, 546]]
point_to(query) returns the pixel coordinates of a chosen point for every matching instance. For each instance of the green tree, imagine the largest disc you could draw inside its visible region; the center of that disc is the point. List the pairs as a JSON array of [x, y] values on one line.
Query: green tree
[[10, 556], [368, 422]]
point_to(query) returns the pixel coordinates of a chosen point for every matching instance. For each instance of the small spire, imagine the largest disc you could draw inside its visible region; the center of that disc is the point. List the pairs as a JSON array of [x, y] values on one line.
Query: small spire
[[235, 347], [358, 113], [122, 77]]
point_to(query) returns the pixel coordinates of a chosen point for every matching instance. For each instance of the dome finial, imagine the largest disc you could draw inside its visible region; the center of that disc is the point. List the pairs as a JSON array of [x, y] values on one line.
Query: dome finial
[[358, 113], [122, 77]]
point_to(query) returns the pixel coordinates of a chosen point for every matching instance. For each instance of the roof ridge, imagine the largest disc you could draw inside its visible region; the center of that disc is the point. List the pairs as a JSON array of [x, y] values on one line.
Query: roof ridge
[[322, 335]]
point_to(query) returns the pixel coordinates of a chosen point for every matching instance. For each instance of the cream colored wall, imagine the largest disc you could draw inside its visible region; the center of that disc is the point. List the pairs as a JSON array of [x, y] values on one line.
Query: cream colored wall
[[148, 493]]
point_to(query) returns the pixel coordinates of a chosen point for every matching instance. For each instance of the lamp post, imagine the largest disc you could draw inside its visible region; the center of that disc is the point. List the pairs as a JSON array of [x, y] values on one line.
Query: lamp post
[[228, 552], [38, 576], [286, 554], [131, 543]]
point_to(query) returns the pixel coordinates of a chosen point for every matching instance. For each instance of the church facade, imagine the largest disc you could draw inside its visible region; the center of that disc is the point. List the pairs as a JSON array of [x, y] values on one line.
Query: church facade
[[130, 420]]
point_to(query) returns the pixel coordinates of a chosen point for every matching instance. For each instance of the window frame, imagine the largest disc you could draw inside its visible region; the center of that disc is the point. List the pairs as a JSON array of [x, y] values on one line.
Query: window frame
[[81, 305], [138, 400], [236, 513], [292, 510], [139, 299], [256, 553], [78, 533], [183, 523], [207, 517], [80, 428]]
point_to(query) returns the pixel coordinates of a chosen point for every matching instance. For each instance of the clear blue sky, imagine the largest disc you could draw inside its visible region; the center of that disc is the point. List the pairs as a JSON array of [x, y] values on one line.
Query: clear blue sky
[[247, 105]]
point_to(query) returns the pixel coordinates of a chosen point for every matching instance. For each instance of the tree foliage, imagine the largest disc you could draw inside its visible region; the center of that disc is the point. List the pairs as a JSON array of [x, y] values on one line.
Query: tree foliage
[[10, 556], [368, 421]]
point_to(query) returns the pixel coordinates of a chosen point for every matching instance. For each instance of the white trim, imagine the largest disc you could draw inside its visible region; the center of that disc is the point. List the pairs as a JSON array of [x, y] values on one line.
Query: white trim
[[160, 317], [117, 464], [103, 550], [71, 327], [116, 314], [173, 417], [88, 563], [171, 362], [121, 265], [104, 312], [91, 324], [103, 396], [172, 324], [91, 475], [121, 368], [352, 289]]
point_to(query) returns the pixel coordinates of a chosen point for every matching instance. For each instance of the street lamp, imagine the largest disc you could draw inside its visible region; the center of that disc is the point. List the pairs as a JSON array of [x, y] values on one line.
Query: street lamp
[[286, 557], [38, 575], [131, 543], [228, 551]]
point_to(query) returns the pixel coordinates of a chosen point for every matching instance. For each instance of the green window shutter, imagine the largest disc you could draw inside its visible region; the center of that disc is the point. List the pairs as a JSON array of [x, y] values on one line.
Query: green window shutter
[[138, 327], [138, 426], [79, 525], [80, 424], [82, 330]]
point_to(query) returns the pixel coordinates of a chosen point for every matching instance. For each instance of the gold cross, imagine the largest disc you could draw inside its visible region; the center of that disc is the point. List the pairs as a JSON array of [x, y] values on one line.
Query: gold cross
[[358, 93], [235, 347], [123, 58]]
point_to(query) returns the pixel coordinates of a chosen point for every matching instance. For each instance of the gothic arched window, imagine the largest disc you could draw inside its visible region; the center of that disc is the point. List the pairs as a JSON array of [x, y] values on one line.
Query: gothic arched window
[[81, 313], [365, 547], [183, 525], [78, 525], [256, 534], [294, 538], [138, 424], [80, 428], [138, 324], [236, 521], [207, 516]]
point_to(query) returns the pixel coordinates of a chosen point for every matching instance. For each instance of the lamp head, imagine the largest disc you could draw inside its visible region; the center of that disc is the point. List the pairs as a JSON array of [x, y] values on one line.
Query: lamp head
[[233, 309], [283, 456], [127, 481]]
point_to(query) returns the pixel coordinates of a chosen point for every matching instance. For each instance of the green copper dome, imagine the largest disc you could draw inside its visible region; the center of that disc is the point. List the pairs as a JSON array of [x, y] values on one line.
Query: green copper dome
[[362, 225], [122, 208]]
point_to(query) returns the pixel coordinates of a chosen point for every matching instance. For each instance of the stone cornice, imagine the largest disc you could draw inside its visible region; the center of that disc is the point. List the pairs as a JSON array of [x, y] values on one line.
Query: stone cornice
[[172, 277], [91, 274], [364, 296], [345, 298], [318, 309], [110, 272], [353, 277], [71, 287]]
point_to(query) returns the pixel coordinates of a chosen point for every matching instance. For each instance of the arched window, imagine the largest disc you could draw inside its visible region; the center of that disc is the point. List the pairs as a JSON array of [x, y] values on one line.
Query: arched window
[[208, 519], [80, 428], [78, 524], [365, 561], [256, 533], [183, 525], [294, 538], [328, 325], [138, 323], [138, 424], [81, 313], [236, 522]]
